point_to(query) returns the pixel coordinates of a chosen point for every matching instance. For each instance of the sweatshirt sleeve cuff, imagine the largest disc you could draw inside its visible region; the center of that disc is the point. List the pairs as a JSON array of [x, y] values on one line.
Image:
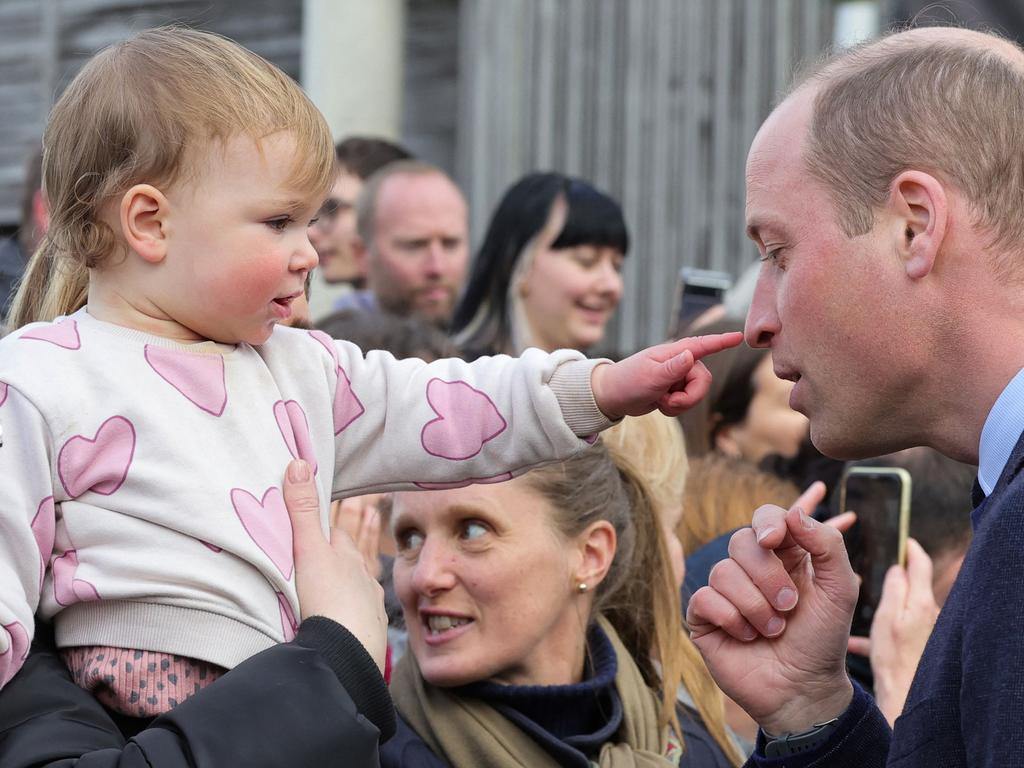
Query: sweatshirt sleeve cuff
[[571, 384], [356, 670], [861, 740]]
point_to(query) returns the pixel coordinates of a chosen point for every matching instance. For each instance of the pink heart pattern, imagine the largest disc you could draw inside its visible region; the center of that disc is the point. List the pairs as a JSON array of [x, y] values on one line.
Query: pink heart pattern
[[288, 624], [16, 653], [294, 426], [466, 419], [3, 392], [347, 407], [67, 589], [99, 464], [63, 334], [328, 344], [44, 527], [266, 521], [199, 377], [463, 483]]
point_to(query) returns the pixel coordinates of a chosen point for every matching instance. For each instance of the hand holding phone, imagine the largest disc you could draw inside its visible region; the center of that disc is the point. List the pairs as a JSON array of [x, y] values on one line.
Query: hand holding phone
[[696, 292], [881, 498]]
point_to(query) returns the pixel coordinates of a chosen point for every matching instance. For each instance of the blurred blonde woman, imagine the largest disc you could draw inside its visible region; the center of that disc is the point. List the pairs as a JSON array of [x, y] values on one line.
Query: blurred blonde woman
[[654, 449]]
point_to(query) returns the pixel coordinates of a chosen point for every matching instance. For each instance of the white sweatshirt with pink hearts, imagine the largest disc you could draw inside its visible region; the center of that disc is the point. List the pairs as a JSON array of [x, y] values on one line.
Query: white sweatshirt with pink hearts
[[140, 479]]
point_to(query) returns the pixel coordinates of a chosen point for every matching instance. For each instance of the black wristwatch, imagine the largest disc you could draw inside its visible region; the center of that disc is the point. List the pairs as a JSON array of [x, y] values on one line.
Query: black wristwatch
[[789, 744]]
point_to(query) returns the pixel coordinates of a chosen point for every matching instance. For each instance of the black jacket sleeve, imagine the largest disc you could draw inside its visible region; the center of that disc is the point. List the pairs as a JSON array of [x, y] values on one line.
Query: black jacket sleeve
[[317, 701]]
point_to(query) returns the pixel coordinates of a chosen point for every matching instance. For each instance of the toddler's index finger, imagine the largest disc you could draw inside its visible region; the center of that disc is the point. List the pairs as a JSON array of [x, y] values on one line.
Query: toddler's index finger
[[701, 346]]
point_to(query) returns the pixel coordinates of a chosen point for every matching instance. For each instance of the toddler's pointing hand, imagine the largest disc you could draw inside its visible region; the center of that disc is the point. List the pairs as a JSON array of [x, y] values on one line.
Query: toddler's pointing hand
[[669, 377]]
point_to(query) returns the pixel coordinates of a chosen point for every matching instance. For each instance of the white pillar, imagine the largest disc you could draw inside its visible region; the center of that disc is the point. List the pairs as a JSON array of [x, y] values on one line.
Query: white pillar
[[352, 63], [352, 55]]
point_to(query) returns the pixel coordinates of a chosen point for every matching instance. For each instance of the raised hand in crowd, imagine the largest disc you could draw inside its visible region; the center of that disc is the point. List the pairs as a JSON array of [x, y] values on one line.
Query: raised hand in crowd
[[900, 630], [360, 518]]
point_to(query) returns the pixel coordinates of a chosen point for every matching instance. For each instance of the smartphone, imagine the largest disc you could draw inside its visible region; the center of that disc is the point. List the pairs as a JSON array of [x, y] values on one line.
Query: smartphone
[[881, 498], [697, 291]]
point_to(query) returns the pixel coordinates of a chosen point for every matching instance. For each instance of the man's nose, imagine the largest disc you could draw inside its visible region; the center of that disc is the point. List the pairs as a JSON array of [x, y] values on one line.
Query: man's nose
[[762, 318], [436, 259]]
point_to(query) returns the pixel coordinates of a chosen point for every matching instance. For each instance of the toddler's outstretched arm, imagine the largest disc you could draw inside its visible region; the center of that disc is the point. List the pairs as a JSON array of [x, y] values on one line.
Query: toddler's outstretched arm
[[669, 377], [406, 423]]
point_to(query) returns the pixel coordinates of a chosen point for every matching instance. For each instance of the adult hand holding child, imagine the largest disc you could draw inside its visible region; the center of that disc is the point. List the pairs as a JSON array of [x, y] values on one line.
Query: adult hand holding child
[[331, 576]]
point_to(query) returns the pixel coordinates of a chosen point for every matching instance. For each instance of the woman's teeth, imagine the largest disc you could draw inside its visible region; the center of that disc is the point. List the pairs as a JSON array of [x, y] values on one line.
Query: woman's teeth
[[438, 624]]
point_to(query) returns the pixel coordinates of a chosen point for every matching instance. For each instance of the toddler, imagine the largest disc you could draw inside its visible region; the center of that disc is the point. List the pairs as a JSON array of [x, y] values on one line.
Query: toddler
[[144, 434]]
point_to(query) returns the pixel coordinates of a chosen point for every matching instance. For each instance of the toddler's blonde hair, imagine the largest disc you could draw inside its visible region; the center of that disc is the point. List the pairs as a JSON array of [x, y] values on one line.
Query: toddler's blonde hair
[[146, 111]]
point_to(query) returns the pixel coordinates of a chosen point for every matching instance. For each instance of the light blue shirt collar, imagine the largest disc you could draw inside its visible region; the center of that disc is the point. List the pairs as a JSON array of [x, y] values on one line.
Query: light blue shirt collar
[[1002, 430]]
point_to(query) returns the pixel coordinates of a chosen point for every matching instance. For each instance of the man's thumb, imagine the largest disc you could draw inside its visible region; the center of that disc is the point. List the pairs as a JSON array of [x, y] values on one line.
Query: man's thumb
[[827, 550]]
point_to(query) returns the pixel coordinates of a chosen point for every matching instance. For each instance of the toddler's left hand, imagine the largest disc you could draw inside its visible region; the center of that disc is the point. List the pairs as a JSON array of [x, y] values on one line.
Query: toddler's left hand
[[669, 377]]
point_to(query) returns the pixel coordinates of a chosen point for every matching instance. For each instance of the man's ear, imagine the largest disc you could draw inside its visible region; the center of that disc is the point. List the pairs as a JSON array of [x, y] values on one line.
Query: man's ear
[[143, 217], [919, 203], [596, 552]]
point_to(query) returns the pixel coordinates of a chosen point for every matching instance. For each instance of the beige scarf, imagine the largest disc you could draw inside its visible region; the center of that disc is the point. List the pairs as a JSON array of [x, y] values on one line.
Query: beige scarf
[[467, 732]]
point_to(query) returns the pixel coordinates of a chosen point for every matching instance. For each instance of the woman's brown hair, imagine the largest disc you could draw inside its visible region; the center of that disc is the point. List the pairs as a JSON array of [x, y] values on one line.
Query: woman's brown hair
[[722, 493], [639, 594]]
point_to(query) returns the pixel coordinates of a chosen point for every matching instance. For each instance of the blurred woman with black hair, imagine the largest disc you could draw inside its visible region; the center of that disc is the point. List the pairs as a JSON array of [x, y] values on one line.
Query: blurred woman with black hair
[[548, 273]]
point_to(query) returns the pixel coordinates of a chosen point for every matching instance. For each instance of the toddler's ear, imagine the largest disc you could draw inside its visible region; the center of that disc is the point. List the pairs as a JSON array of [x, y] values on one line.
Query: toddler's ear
[[144, 222]]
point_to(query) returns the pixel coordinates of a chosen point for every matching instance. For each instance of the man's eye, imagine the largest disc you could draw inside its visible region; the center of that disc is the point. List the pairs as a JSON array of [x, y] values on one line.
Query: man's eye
[[474, 530]]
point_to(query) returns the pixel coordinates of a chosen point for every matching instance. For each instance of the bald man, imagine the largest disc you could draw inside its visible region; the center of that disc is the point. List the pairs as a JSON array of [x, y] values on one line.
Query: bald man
[[412, 243], [884, 194]]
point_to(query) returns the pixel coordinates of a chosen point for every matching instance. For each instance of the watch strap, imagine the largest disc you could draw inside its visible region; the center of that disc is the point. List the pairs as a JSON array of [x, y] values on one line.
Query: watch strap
[[789, 744]]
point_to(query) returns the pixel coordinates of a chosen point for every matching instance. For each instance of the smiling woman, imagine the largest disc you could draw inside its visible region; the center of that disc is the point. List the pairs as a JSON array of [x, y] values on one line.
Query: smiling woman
[[548, 272], [534, 610]]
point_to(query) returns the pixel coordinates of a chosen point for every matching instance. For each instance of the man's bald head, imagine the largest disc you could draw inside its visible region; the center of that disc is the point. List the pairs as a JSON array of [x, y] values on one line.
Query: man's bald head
[[949, 102]]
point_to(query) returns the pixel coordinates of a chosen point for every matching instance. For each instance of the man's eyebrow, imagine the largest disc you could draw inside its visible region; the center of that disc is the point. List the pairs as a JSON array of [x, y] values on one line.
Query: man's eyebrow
[[756, 225]]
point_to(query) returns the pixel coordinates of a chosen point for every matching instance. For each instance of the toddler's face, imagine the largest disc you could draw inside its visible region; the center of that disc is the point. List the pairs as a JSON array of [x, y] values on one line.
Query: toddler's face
[[238, 248]]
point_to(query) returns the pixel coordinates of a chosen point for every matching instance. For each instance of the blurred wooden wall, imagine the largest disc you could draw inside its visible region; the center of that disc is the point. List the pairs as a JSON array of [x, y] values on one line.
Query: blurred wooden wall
[[654, 100], [43, 44]]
